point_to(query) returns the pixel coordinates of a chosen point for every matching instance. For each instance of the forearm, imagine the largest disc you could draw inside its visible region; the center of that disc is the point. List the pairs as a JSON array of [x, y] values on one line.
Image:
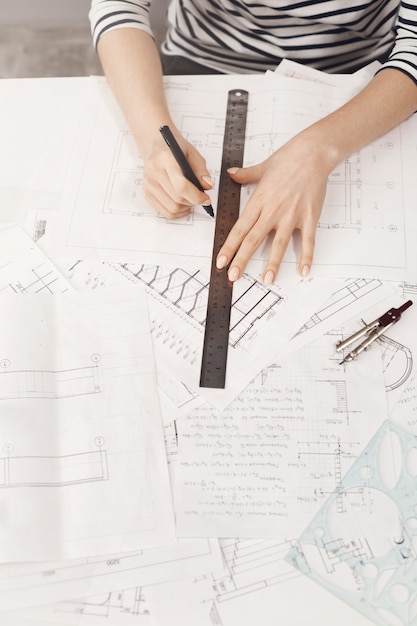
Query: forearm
[[131, 63], [389, 99]]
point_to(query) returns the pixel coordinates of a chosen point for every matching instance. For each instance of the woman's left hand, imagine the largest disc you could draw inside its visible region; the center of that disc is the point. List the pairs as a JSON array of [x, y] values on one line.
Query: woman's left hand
[[289, 194]]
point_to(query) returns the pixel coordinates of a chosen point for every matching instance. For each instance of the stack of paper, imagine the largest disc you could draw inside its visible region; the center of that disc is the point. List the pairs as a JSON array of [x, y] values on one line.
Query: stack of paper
[[129, 495]]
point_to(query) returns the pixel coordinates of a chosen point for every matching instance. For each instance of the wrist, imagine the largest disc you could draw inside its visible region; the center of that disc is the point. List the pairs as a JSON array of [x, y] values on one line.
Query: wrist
[[321, 148]]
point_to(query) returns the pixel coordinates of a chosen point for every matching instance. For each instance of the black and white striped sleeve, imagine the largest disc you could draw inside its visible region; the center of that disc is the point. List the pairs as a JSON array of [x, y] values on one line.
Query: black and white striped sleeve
[[404, 53], [106, 15]]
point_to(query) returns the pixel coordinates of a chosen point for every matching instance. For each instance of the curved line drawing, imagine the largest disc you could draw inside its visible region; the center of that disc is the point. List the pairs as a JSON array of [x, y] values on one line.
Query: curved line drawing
[[401, 369]]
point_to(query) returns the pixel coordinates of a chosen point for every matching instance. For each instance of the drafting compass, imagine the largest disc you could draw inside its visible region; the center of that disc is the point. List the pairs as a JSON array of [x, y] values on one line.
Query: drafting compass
[[371, 332]]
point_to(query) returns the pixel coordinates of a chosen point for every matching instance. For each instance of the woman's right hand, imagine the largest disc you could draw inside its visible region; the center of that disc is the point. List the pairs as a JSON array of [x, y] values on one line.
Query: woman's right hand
[[165, 186]]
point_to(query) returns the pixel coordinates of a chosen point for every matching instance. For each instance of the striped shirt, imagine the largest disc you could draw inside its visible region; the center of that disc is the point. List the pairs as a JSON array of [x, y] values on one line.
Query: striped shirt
[[246, 36]]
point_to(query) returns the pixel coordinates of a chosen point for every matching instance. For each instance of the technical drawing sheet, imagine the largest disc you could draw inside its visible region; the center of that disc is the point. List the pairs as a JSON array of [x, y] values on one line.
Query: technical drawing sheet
[[263, 319], [23, 585], [82, 448], [369, 205], [256, 586], [398, 345], [367, 300], [262, 467]]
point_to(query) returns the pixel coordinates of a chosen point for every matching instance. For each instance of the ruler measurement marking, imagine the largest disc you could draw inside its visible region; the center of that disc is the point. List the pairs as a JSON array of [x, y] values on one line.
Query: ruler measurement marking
[[216, 335]]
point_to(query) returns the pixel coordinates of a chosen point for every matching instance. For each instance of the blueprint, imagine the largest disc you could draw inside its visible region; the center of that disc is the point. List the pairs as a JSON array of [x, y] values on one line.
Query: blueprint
[[369, 205], [81, 428], [177, 299]]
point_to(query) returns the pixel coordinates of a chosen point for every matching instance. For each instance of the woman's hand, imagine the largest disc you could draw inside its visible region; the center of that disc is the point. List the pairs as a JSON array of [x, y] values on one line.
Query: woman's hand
[[165, 186], [289, 194]]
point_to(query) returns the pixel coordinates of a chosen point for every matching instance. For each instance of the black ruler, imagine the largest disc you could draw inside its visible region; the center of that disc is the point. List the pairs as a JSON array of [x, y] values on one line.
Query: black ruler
[[216, 334]]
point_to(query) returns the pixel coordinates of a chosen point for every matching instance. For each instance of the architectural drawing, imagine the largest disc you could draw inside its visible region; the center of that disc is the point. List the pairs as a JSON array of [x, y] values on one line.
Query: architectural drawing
[[397, 359], [74, 368], [48, 383], [53, 471], [409, 289], [250, 565], [398, 363], [188, 293], [98, 577], [123, 195], [366, 207], [24, 268], [354, 291], [40, 279], [346, 206]]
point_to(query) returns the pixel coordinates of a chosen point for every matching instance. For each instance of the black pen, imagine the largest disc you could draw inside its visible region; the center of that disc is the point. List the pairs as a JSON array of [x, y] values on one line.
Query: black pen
[[183, 163]]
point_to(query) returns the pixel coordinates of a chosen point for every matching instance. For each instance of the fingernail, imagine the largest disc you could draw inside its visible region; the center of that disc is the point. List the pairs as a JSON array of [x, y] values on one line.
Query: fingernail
[[234, 274], [208, 180], [233, 170], [269, 278], [206, 203], [305, 271], [221, 262]]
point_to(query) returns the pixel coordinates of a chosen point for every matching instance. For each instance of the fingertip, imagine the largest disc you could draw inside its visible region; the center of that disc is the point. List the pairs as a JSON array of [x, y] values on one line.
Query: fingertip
[[305, 270], [221, 261], [268, 278], [207, 180], [234, 274]]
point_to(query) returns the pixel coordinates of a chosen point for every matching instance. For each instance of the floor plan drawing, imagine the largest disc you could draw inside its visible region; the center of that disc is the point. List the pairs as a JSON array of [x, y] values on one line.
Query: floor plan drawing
[[105, 216]]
